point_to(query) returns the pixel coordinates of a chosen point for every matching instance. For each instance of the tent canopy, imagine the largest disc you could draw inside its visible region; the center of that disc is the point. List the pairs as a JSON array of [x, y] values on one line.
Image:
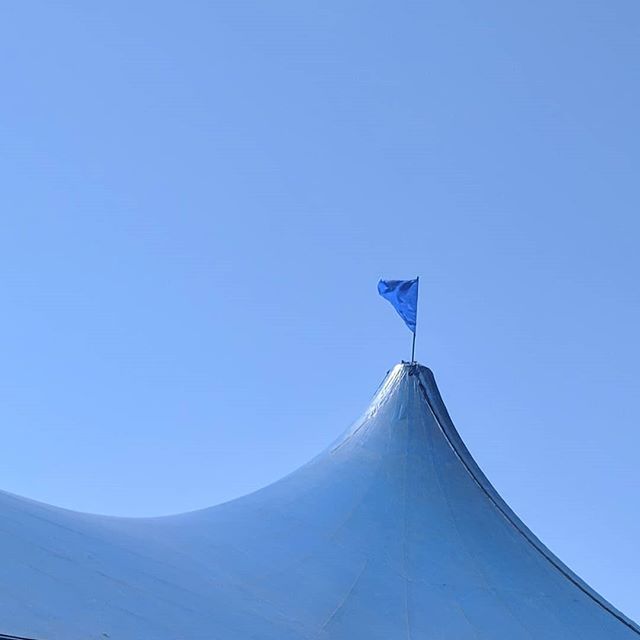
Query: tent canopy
[[391, 532]]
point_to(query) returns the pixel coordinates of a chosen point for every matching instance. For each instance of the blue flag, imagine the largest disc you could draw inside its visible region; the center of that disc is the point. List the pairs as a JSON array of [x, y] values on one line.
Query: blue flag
[[403, 295]]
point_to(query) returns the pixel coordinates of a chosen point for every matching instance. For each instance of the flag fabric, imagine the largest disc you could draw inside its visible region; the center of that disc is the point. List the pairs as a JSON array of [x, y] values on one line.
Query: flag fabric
[[403, 295]]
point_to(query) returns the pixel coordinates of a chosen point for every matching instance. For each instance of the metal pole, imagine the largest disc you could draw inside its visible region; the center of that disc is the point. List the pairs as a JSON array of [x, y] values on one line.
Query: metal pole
[[413, 345]]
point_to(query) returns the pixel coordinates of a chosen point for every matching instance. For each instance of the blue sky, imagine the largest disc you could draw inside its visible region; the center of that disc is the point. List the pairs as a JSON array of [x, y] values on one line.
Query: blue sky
[[199, 199]]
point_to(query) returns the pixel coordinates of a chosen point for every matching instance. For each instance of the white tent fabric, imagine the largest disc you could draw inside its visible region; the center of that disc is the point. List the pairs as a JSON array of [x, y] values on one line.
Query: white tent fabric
[[393, 532]]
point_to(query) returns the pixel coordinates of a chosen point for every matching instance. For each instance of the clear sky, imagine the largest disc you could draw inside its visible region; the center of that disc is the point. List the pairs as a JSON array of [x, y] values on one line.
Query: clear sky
[[199, 198]]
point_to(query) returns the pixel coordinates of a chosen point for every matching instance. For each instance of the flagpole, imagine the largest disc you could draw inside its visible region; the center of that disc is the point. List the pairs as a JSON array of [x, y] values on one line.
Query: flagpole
[[413, 344]]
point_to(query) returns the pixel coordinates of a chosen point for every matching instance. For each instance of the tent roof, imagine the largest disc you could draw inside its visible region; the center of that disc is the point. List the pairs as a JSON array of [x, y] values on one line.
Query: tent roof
[[391, 532]]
